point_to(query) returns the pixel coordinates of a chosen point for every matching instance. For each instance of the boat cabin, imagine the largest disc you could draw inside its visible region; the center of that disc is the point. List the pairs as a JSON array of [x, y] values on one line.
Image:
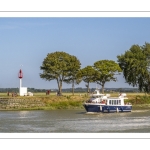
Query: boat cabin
[[115, 101], [103, 99], [97, 97], [96, 93], [107, 101]]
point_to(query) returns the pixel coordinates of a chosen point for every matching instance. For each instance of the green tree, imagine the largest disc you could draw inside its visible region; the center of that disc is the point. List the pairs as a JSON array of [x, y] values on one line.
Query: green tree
[[135, 64], [57, 66], [73, 77], [106, 71], [88, 75]]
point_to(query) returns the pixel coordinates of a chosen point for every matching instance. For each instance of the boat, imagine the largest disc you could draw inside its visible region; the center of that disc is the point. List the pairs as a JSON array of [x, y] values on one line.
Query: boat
[[101, 103]]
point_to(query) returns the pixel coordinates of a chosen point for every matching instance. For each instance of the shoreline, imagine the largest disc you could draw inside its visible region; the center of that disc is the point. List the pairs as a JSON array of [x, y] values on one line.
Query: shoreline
[[53, 102], [134, 107]]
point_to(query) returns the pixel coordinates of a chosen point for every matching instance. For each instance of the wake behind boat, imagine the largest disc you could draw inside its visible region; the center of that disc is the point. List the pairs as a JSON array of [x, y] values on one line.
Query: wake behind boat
[[105, 104]]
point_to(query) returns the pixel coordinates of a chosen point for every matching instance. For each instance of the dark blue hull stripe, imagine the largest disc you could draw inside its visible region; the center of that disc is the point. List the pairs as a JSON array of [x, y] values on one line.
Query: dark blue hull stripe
[[106, 108]]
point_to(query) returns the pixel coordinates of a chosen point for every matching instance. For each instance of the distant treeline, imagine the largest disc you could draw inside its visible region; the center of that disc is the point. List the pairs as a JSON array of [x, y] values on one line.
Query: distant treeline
[[77, 90]]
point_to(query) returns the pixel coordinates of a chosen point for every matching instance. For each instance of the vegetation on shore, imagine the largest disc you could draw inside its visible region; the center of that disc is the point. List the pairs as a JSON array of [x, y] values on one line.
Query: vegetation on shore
[[64, 102], [69, 101], [140, 101], [52, 102], [134, 64], [63, 67]]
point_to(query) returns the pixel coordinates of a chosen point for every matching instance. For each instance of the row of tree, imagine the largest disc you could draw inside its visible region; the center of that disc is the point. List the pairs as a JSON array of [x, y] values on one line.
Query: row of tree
[[134, 63], [63, 67]]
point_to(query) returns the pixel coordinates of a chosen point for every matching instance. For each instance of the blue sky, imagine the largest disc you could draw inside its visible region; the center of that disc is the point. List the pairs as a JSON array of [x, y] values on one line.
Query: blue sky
[[27, 41]]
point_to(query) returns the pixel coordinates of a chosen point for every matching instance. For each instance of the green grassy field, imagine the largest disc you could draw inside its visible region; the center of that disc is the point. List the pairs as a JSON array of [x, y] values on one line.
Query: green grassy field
[[76, 94], [43, 94]]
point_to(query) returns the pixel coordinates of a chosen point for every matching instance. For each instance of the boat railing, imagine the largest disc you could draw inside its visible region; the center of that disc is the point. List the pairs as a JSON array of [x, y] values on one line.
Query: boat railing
[[102, 102], [127, 103]]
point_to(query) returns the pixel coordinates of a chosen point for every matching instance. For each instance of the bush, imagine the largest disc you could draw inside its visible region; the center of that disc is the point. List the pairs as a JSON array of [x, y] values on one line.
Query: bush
[[139, 100]]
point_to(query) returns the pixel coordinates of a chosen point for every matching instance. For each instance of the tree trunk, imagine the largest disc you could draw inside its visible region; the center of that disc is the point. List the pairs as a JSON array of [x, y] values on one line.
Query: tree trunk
[[59, 82], [73, 87], [60, 88], [103, 88], [88, 88]]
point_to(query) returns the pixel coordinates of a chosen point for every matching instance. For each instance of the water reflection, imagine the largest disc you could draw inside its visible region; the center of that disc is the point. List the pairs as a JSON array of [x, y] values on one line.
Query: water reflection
[[23, 114]]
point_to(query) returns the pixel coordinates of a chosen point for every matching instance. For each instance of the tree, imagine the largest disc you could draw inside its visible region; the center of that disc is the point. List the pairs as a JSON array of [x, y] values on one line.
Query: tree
[[57, 66], [135, 64], [105, 72], [73, 77], [88, 75]]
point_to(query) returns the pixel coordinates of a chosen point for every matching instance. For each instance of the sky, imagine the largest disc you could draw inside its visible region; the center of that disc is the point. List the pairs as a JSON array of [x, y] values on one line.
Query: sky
[[26, 41]]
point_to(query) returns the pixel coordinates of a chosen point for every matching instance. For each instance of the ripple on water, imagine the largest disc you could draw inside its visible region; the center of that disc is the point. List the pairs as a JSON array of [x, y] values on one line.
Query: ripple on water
[[74, 121]]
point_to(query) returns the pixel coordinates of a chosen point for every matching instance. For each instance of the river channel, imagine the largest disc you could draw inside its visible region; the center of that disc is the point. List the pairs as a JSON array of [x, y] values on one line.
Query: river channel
[[74, 121]]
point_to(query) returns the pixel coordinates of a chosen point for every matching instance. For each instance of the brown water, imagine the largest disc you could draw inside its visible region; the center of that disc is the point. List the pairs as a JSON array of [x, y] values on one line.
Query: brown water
[[74, 121]]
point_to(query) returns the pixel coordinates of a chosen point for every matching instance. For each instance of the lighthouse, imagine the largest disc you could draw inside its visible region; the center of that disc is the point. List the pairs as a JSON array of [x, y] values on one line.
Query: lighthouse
[[20, 76], [22, 90]]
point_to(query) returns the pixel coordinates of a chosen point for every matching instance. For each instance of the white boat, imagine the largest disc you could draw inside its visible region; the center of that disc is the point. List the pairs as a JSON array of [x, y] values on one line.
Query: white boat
[[104, 103]]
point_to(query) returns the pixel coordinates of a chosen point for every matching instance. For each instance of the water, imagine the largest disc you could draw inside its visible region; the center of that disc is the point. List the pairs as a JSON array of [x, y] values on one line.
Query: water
[[74, 121]]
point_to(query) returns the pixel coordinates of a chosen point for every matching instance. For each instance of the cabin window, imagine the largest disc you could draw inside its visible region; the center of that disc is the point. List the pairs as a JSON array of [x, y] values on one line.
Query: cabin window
[[114, 102], [119, 102], [109, 102]]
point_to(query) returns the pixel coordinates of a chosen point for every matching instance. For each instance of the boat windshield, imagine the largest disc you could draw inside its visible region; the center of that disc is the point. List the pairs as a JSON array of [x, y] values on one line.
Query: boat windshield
[[95, 92], [98, 96]]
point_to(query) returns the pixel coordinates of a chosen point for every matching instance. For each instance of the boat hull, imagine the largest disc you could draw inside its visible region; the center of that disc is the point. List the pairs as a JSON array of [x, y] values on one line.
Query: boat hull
[[106, 108]]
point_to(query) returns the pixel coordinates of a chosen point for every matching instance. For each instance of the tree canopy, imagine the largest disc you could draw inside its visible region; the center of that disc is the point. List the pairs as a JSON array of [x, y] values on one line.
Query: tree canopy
[[88, 75], [135, 64], [106, 71], [73, 77], [59, 66]]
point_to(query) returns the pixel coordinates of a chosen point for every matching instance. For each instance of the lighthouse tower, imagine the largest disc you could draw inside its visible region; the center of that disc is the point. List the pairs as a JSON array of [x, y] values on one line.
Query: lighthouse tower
[[22, 90], [20, 76]]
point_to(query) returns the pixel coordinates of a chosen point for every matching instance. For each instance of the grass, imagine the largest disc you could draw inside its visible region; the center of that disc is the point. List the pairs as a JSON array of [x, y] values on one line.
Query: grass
[[69, 101], [44, 94]]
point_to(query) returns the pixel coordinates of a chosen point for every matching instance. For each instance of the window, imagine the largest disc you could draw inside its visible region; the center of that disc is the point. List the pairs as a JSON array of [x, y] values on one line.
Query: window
[[109, 102], [112, 102], [119, 102]]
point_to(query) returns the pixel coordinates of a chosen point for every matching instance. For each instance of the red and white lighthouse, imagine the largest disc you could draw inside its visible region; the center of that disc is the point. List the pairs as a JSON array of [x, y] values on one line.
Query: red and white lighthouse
[[22, 90], [20, 76]]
